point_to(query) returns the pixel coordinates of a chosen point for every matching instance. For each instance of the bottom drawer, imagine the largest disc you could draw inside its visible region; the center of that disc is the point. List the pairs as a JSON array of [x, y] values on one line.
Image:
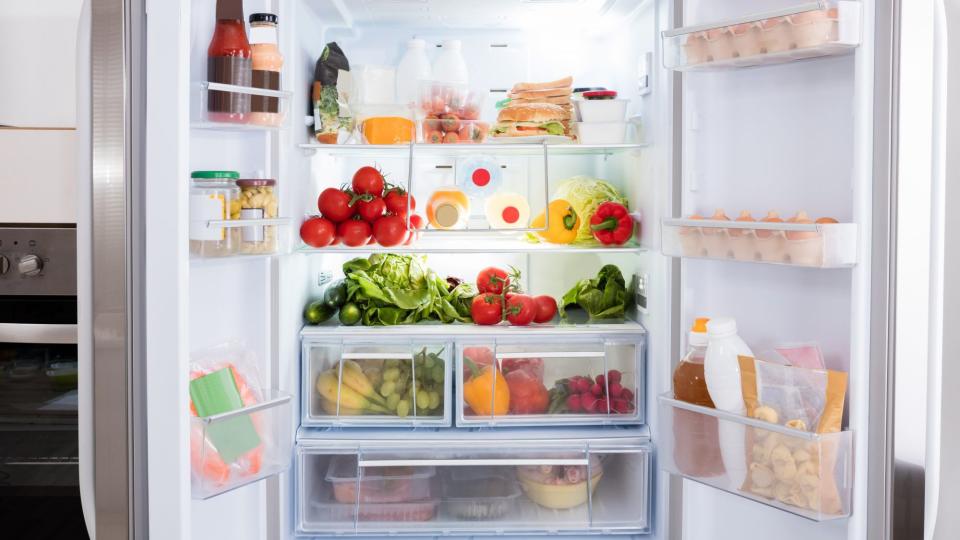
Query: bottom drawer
[[455, 488]]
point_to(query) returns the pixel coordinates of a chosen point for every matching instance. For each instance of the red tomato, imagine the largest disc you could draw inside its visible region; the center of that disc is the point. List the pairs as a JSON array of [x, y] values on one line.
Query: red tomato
[[396, 201], [546, 308], [521, 309], [528, 395], [334, 204], [370, 210], [390, 230], [487, 309], [318, 232], [492, 280], [354, 232], [368, 180], [450, 137], [449, 123]]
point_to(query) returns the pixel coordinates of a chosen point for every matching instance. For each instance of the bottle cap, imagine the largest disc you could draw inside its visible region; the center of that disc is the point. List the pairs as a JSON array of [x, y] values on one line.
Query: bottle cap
[[263, 17], [698, 334], [721, 327], [700, 325]]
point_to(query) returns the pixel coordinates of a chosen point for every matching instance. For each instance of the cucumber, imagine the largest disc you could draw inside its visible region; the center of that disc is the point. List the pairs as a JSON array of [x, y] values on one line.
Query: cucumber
[[318, 312], [336, 294]]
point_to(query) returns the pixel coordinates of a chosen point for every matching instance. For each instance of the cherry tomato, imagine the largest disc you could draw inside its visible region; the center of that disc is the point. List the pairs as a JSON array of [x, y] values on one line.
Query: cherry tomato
[[318, 232], [546, 308], [492, 280], [370, 210], [390, 230], [396, 201], [521, 309], [368, 180], [354, 232], [450, 137], [449, 122], [487, 309], [334, 204]]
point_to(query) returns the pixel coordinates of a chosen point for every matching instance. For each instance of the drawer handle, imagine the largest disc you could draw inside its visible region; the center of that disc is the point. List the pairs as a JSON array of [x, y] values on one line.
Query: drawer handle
[[376, 356], [552, 354], [374, 463]]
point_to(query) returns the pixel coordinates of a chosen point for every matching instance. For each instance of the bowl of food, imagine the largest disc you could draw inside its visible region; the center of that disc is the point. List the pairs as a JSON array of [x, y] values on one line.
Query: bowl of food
[[560, 486]]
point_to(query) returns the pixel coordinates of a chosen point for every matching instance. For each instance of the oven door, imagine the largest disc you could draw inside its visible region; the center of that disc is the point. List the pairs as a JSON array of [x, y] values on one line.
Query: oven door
[[39, 464]]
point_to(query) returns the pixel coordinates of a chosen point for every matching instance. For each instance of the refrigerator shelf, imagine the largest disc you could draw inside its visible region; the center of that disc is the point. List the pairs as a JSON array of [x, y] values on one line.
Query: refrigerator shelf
[[807, 474], [452, 242], [578, 328], [538, 382], [258, 438], [810, 30], [241, 98], [498, 149], [416, 488], [816, 245]]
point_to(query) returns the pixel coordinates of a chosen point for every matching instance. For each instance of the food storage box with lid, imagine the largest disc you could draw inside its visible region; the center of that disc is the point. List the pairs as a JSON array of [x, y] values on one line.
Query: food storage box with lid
[[214, 196], [601, 110], [478, 494], [257, 202], [600, 132], [451, 113], [380, 484]]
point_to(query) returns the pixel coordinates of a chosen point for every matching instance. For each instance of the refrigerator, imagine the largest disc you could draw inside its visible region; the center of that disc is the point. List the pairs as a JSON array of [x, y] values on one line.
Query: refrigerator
[[740, 105]]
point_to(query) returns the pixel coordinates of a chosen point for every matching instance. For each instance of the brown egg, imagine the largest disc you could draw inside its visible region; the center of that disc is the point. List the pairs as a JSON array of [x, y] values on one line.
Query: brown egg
[[771, 217], [718, 215], [743, 217], [800, 218]]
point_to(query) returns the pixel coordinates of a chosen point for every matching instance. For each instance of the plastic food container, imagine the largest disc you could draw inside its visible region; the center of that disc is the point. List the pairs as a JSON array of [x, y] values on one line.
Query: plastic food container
[[214, 195], [775, 35], [258, 201], [453, 131], [483, 497], [601, 110], [451, 113], [331, 511], [600, 132], [378, 485]]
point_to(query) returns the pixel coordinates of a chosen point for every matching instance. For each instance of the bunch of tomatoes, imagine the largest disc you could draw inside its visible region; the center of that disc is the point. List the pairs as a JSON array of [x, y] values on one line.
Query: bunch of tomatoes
[[369, 210], [499, 299]]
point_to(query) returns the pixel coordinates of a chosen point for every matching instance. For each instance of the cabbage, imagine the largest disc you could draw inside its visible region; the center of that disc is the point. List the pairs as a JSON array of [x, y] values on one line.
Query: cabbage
[[586, 194]]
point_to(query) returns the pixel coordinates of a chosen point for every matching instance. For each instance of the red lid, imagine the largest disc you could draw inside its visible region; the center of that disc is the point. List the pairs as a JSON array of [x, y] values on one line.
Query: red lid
[[600, 94], [256, 182]]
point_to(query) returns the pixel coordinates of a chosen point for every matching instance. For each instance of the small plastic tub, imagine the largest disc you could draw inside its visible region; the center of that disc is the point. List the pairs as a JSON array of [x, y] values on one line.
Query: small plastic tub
[[600, 132], [601, 110], [378, 485], [454, 131], [480, 498]]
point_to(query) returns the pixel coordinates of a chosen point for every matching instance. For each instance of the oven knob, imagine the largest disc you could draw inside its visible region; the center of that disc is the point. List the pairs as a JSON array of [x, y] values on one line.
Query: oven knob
[[4, 265], [29, 265]]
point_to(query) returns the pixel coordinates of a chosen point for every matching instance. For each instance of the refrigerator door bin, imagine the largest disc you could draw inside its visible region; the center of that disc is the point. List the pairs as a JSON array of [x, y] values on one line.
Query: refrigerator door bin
[[239, 99], [236, 448], [568, 381], [376, 383], [807, 474], [530, 488], [816, 245], [810, 30]]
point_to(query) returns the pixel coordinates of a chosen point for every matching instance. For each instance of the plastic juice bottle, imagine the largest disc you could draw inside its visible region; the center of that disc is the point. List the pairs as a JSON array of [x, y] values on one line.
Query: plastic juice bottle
[[722, 370], [448, 208], [267, 63], [696, 448], [228, 62]]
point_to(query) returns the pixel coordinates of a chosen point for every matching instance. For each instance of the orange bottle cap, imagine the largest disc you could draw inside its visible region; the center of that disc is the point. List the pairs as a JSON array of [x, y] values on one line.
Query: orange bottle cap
[[700, 325]]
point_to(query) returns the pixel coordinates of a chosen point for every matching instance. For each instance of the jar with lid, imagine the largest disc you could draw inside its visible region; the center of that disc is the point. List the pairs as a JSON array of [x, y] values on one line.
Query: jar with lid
[[267, 63], [258, 201], [214, 195], [229, 62]]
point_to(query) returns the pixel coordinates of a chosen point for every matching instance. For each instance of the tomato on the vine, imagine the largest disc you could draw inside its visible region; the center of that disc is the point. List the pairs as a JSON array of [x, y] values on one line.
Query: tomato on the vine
[[492, 280], [390, 230], [318, 232], [397, 200], [521, 309], [354, 232], [368, 181], [334, 204], [487, 308], [370, 208]]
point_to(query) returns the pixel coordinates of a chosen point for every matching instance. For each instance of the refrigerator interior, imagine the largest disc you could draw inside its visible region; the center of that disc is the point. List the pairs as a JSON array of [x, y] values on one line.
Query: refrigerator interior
[[787, 137]]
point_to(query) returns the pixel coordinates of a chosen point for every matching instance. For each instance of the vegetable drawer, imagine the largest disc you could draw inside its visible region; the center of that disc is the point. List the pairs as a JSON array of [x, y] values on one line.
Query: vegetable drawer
[[804, 473], [368, 383], [454, 487], [568, 381]]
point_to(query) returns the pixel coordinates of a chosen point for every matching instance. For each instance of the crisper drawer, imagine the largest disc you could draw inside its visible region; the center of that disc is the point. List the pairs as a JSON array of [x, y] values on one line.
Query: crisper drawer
[[566, 381], [370, 383], [458, 488], [807, 474]]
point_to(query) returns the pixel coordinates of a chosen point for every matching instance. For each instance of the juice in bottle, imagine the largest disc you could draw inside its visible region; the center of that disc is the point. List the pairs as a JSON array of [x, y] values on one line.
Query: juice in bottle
[[696, 440], [228, 62], [267, 63], [448, 208]]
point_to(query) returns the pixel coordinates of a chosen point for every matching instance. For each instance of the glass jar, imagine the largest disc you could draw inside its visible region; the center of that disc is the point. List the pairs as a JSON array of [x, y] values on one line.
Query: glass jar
[[258, 201], [214, 195], [229, 62], [267, 63]]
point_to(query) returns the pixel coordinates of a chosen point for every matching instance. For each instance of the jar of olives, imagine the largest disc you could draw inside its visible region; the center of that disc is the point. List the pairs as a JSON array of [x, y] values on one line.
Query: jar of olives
[[258, 201], [214, 195]]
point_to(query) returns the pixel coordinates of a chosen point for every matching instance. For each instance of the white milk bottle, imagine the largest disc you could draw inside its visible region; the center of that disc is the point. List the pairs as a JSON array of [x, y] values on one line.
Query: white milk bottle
[[413, 68], [450, 67]]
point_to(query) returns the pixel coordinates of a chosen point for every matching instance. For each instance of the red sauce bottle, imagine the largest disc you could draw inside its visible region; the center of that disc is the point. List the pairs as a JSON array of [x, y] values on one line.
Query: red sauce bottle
[[229, 62]]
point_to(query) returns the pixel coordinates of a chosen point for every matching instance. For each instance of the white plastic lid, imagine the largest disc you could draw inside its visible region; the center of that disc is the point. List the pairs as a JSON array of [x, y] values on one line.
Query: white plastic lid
[[416, 43], [452, 44], [722, 327]]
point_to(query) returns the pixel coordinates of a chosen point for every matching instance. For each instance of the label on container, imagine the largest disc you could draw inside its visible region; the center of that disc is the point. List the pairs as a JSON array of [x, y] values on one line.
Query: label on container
[[267, 80], [203, 208], [252, 234], [229, 70]]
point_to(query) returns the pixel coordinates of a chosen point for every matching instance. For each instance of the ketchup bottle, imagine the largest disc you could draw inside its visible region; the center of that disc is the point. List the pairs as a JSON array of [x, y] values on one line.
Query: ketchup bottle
[[229, 62]]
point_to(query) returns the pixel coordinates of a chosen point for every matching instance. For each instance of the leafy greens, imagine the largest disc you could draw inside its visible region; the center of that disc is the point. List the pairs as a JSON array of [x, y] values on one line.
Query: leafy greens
[[603, 297]]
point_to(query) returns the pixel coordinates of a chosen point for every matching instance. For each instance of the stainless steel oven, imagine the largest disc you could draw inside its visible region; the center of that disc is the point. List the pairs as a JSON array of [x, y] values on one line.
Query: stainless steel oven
[[39, 473]]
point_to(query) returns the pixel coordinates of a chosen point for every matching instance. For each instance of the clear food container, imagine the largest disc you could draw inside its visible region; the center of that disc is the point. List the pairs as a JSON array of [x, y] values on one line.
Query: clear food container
[[478, 494], [378, 485], [600, 132], [454, 131], [451, 113], [332, 511], [601, 110], [214, 196], [258, 201]]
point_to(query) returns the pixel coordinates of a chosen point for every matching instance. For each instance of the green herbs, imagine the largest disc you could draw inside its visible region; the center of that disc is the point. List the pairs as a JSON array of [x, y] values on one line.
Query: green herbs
[[603, 297], [394, 289]]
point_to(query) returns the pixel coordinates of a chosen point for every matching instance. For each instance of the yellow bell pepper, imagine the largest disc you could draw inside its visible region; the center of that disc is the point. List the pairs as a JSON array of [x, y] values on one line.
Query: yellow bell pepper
[[564, 223], [481, 393]]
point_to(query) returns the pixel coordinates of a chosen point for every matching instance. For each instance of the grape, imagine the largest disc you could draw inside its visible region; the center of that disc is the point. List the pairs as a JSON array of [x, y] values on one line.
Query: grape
[[423, 400], [388, 388], [428, 362], [391, 374], [438, 373], [434, 400], [403, 408], [392, 401]]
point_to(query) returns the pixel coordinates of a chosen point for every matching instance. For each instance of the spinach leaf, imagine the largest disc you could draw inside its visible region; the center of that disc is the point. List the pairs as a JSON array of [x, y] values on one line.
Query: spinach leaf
[[603, 297]]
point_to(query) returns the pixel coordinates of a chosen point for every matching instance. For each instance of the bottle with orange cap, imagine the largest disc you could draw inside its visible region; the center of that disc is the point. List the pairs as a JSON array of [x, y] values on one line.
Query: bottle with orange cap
[[689, 383]]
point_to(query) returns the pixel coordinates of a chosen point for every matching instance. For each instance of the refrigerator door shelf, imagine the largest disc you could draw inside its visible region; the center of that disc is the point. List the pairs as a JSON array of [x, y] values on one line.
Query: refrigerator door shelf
[[237, 448], [371, 382], [243, 96], [814, 245], [411, 489], [807, 474], [587, 381], [810, 30]]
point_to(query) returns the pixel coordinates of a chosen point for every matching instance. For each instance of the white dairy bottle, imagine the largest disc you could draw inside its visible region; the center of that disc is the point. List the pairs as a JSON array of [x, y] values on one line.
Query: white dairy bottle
[[450, 67], [721, 369], [413, 68]]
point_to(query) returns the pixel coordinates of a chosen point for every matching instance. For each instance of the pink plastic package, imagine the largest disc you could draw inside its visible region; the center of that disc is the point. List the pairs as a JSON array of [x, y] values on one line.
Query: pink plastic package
[[802, 355]]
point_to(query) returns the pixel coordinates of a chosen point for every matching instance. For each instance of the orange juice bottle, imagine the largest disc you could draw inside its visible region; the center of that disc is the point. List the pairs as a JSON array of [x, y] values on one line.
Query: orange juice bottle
[[448, 208]]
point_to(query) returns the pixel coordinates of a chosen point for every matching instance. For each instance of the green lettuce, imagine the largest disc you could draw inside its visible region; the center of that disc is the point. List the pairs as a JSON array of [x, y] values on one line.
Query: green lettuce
[[603, 297]]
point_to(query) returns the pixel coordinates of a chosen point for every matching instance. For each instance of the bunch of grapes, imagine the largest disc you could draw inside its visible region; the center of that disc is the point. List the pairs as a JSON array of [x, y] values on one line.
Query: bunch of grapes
[[406, 391]]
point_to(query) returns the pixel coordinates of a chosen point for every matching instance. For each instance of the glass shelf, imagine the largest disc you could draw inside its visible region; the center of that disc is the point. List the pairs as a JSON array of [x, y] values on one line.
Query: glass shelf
[[451, 242], [485, 148]]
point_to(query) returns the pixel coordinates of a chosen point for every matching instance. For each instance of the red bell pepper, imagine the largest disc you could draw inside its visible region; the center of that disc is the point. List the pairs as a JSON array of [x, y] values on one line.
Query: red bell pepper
[[528, 395], [612, 224]]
